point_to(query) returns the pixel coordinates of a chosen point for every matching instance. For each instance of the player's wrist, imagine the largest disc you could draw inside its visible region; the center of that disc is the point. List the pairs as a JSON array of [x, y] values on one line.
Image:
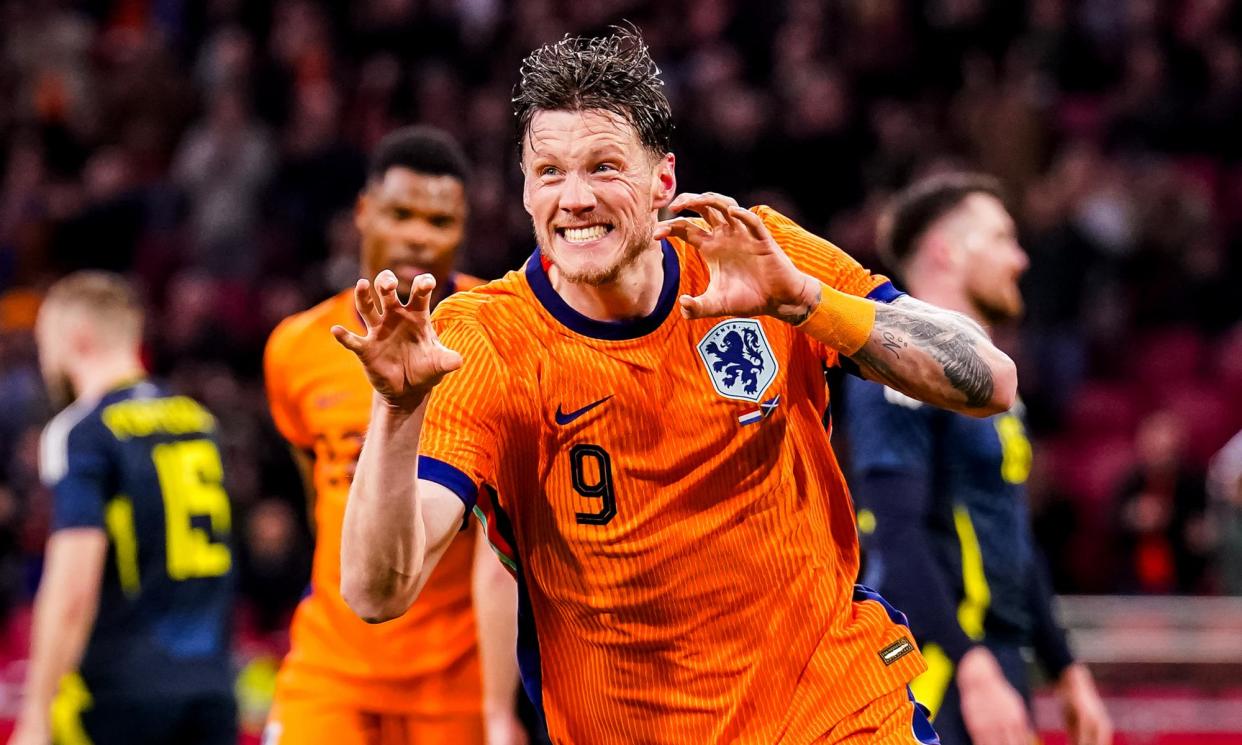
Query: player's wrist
[[839, 320], [978, 668], [797, 309], [1074, 678]]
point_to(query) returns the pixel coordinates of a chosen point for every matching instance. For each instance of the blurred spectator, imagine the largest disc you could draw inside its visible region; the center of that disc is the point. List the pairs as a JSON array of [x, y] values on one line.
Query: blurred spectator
[[212, 150], [1162, 504], [223, 165], [275, 564]]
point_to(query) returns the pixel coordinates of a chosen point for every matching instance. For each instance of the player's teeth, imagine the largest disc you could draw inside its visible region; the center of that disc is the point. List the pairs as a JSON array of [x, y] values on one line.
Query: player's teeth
[[578, 235]]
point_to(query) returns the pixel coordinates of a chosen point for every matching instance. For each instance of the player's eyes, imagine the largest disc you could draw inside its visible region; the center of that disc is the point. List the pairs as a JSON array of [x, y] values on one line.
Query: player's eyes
[[443, 221], [548, 171], [605, 167]]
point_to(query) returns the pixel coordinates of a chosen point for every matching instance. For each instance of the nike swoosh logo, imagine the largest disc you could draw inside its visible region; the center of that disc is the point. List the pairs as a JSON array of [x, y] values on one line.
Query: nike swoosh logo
[[564, 418]]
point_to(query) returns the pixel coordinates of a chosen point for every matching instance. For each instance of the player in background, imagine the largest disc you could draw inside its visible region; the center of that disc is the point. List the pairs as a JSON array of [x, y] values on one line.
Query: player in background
[[656, 477], [132, 615], [417, 679], [941, 497]]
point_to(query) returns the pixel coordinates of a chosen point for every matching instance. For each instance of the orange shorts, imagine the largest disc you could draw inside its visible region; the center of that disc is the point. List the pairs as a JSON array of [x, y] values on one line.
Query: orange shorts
[[892, 719], [303, 719]]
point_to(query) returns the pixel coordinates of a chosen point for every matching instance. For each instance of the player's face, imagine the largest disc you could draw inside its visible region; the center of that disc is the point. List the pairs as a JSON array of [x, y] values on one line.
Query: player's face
[[994, 261], [593, 192], [411, 223], [53, 343]]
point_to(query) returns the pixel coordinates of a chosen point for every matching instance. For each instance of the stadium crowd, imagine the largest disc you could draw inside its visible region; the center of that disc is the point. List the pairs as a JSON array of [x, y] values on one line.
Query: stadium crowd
[[214, 151]]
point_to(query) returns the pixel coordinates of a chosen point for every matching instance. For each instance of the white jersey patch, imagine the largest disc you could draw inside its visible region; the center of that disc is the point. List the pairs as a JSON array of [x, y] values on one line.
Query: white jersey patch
[[739, 359]]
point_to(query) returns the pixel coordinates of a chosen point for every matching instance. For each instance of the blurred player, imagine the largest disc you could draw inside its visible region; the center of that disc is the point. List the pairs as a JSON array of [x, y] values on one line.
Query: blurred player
[[131, 620], [417, 679], [941, 497], [657, 479]]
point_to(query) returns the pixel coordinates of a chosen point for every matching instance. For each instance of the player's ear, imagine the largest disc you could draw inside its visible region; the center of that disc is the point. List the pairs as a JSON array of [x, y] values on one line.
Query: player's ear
[[664, 177]]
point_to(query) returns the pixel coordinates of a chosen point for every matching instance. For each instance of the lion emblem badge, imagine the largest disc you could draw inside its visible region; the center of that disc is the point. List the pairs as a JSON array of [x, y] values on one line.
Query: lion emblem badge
[[738, 359]]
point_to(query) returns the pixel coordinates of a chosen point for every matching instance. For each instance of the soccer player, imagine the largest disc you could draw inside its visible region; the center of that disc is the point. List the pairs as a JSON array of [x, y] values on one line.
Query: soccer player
[[417, 679], [941, 497], [131, 620], [635, 417]]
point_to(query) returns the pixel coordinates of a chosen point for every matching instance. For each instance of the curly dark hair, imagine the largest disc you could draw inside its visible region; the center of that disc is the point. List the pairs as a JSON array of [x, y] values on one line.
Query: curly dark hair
[[423, 149], [613, 73]]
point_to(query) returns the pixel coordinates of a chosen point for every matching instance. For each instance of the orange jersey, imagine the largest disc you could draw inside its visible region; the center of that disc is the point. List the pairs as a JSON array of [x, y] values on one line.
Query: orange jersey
[[665, 493], [424, 662]]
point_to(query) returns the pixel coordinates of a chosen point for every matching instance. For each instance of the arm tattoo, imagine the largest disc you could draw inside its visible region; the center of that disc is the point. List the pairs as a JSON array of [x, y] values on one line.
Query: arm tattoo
[[940, 335], [893, 342]]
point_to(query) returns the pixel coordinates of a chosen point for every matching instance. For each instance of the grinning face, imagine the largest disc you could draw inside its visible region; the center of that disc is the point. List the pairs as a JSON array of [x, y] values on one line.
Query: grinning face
[[593, 192], [411, 223], [993, 260]]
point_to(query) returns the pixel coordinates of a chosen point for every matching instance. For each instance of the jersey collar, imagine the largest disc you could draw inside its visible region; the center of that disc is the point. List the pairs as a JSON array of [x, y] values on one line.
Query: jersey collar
[[550, 299]]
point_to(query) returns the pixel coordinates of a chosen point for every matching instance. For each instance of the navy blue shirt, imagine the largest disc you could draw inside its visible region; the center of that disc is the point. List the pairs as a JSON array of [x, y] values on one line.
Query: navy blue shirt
[[143, 465], [942, 507]]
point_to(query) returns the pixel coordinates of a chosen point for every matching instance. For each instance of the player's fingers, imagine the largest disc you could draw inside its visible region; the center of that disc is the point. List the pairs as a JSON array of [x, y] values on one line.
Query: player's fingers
[[364, 301], [449, 360], [711, 207], [679, 202], [420, 293], [751, 222], [688, 230], [348, 339], [712, 210], [703, 306], [386, 291]]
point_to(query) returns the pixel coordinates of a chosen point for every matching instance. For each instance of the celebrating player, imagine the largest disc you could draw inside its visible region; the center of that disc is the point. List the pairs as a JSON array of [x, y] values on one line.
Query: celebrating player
[[416, 680], [635, 417], [131, 620], [942, 505]]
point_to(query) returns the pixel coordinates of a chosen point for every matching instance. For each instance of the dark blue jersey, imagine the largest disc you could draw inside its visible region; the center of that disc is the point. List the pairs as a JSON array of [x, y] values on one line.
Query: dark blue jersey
[[143, 465], [941, 499]]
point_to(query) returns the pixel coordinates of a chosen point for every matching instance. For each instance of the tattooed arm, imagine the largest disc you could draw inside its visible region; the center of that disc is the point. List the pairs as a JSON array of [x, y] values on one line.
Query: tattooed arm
[[937, 356]]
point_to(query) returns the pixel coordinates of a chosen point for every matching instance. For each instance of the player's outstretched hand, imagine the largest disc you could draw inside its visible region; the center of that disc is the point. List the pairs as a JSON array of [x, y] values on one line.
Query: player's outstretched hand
[[992, 710], [750, 274], [1086, 719], [400, 352]]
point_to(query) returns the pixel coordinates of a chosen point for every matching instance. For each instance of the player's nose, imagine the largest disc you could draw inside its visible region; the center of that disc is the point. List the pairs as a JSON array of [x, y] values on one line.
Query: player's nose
[[576, 194]]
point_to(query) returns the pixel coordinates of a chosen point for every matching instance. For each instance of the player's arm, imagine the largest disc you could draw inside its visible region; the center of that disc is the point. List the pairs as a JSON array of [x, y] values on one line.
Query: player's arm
[[76, 466], [930, 354], [495, 612], [64, 612], [397, 526]]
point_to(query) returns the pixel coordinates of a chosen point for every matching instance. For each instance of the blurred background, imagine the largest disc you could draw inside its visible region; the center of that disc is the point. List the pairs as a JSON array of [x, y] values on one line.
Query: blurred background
[[213, 150]]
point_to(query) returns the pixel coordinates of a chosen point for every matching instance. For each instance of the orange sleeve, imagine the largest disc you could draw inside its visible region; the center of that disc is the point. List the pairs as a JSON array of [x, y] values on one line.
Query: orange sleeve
[[823, 260], [461, 437], [278, 360]]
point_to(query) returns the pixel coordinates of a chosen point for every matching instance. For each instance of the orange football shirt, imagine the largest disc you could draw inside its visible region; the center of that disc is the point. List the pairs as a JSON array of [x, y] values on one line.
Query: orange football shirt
[[426, 661], [665, 493]]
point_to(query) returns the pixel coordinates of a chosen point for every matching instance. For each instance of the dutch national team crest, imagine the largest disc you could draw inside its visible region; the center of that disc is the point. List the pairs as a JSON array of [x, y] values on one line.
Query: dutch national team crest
[[739, 359]]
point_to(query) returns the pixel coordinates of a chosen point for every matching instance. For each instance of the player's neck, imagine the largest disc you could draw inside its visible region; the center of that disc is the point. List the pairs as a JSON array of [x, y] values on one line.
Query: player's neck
[[103, 374], [634, 294]]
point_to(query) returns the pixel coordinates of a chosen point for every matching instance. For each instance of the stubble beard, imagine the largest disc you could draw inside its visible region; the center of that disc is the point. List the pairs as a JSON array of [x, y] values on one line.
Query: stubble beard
[[601, 276]]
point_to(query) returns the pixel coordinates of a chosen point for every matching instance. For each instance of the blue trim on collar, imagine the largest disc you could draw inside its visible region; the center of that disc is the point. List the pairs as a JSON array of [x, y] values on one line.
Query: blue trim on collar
[[608, 330]]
